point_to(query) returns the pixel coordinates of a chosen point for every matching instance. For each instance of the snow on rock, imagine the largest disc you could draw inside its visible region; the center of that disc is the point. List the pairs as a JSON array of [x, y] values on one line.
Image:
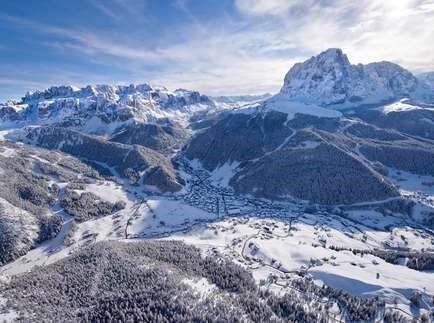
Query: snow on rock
[[428, 78], [329, 79], [7, 152], [102, 109], [6, 314]]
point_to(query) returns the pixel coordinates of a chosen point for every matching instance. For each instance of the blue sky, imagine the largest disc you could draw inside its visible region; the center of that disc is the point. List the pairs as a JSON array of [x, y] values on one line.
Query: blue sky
[[215, 46]]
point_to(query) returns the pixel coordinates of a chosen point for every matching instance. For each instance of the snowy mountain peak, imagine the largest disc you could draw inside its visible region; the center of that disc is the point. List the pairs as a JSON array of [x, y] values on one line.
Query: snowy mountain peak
[[329, 79], [103, 90], [333, 55]]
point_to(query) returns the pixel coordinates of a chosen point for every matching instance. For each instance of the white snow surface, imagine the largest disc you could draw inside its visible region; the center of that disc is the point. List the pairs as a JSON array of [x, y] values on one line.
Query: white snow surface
[[201, 286], [6, 315], [285, 244], [291, 107], [400, 106], [7, 152], [304, 248], [223, 174]]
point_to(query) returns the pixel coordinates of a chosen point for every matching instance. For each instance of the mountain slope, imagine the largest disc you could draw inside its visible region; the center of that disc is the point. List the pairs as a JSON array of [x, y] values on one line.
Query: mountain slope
[[137, 164], [295, 144], [165, 138]]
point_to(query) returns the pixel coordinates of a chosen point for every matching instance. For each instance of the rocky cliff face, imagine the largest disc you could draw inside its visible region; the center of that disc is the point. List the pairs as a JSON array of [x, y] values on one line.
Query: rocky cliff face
[[428, 78], [329, 79], [102, 109]]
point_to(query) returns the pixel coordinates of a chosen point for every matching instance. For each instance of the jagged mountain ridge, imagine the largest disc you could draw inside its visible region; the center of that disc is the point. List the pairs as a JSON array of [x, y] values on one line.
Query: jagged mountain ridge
[[102, 109], [295, 144]]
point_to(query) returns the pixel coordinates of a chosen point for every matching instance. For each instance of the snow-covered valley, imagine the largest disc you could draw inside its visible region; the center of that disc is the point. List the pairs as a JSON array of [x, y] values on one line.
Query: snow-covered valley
[[278, 242]]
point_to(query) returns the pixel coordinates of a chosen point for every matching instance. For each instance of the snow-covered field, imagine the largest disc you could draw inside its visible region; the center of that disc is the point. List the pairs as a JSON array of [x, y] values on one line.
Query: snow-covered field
[[269, 247]]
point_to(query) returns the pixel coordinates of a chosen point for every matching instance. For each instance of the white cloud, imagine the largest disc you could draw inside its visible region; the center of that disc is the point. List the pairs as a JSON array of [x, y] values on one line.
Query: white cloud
[[399, 31], [258, 7]]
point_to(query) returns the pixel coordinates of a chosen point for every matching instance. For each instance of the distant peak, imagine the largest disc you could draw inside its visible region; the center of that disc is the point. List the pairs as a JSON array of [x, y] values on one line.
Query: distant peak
[[333, 54], [329, 79]]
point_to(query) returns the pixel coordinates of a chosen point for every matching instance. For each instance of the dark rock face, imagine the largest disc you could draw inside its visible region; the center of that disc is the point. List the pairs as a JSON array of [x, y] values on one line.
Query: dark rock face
[[428, 78], [129, 161], [7, 113]]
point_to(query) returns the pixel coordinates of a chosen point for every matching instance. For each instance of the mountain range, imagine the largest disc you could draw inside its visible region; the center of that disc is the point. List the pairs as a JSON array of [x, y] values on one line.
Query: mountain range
[[335, 137]]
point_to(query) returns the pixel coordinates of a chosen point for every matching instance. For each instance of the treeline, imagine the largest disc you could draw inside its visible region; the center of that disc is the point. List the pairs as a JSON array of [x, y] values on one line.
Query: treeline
[[86, 206], [415, 260], [25, 197], [418, 260], [411, 157], [131, 161]]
